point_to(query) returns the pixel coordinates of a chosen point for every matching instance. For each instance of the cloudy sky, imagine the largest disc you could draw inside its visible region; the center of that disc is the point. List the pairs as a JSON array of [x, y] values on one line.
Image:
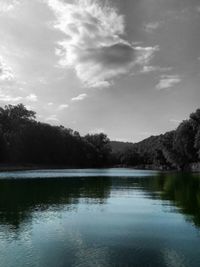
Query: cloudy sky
[[129, 68]]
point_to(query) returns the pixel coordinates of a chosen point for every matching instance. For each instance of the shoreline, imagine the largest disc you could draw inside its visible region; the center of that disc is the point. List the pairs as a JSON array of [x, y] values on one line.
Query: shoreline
[[31, 167]]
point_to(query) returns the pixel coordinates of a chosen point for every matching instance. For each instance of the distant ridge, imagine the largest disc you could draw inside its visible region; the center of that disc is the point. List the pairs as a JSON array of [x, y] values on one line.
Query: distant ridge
[[119, 146]]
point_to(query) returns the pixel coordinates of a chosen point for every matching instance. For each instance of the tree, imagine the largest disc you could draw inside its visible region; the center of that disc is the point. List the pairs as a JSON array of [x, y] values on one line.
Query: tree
[[3, 151], [131, 157], [11, 117], [195, 117], [101, 144], [183, 144], [197, 142]]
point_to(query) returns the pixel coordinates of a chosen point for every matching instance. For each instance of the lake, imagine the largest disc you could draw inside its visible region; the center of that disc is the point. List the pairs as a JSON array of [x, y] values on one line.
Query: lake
[[99, 217]]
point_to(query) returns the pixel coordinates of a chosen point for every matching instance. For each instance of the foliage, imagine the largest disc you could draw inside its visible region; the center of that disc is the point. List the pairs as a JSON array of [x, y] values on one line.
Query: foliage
[[24, 140], [176, 149]]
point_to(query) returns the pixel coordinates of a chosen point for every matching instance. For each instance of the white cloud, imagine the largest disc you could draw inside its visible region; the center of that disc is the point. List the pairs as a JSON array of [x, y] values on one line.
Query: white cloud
[[9, 99], [97, 131], [43, 80], [175, 121], [50, 104], [145, 54], [52, 119], [150, 27], [6, 73], [7, 5], [93, 44], [79, 97], [63, 106], [147, 69], [32, 98], [168, 81], [29, 108]]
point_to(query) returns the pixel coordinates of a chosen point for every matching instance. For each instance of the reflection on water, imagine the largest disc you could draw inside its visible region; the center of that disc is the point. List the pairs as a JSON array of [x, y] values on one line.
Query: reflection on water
[[20, 198], [132, 220], [183, 190]]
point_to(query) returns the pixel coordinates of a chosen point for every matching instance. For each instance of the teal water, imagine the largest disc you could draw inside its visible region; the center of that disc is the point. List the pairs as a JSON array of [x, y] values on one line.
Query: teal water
[[106, 217]]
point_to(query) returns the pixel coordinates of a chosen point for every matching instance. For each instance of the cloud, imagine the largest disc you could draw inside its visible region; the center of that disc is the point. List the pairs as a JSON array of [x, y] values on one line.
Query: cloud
[[9, 98], [97, 131], [168, 81], [63, 106], [6, 73], [145, 54], [7, 5], [79, 97], [152, 26], [93, 45], [50, 104], [175, 121], [147, 69], [32, 98], [52, 119]]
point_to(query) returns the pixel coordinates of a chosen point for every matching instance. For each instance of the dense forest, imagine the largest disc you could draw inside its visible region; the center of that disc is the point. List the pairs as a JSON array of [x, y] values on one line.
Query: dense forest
[[23, 140], [177, 149]]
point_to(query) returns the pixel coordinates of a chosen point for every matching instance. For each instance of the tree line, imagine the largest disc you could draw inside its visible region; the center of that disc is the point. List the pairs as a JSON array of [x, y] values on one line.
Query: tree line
[[23, 140], [176, 149]]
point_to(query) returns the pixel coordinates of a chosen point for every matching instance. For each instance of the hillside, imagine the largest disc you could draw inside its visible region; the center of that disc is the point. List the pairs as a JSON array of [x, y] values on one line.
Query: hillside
[[118, 146]]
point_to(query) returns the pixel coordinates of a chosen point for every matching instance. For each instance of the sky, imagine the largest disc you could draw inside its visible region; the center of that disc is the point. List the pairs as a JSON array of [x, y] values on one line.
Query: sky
[[129, 68]]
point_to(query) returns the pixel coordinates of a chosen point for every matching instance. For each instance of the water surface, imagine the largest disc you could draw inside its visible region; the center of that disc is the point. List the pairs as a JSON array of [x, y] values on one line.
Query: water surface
[[115, 217]]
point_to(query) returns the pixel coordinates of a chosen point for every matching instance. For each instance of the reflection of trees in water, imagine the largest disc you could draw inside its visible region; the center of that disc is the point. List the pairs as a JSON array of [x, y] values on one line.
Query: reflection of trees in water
[[182, 189], [20, 198]]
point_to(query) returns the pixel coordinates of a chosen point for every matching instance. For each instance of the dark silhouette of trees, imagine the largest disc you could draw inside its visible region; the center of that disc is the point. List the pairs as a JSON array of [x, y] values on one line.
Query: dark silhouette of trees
[[183, 145], [176, 149], [197, 143], [131, 158], [101, 147], [23, 140], [11, 117]]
